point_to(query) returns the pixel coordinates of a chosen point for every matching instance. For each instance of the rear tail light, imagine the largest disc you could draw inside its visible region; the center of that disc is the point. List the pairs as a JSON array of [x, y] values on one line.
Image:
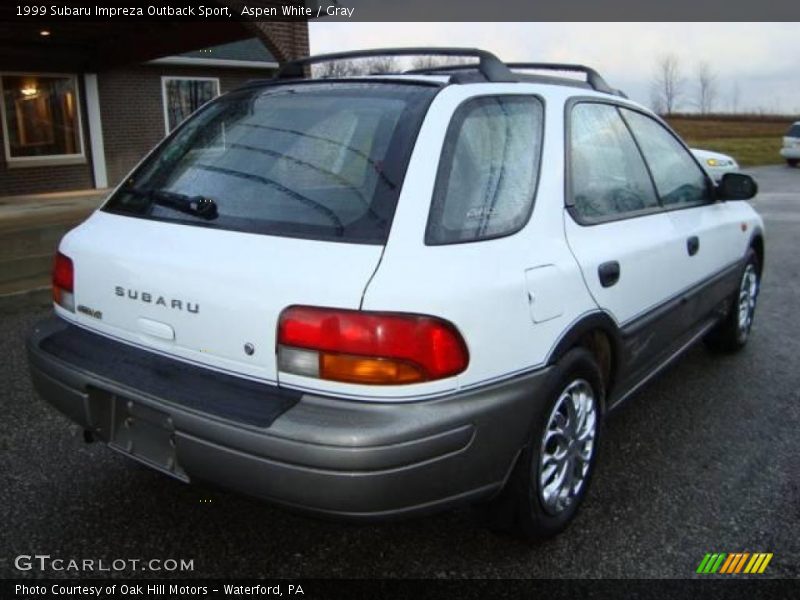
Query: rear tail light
[[368, 347], [63, 282]]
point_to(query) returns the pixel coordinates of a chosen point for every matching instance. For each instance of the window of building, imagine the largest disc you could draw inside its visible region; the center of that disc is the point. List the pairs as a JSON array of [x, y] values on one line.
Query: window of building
[[184, 95], [41, 118]]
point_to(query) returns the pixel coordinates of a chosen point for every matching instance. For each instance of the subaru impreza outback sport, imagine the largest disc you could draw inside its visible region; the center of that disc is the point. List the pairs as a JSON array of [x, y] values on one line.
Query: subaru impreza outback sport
[[384, 295]]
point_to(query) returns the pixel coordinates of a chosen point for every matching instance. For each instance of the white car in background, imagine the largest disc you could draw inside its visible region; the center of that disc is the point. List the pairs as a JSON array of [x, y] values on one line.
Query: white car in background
[[717, 164], [791, 145]]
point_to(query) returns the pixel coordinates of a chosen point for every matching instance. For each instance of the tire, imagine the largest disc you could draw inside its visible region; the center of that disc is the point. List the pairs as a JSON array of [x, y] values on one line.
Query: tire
[[524, 508], [732, 333], [792, 162]]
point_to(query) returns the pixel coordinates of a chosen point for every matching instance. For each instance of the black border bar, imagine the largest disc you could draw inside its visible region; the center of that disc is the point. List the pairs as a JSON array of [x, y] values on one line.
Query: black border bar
[[712, 587], [423, 10]]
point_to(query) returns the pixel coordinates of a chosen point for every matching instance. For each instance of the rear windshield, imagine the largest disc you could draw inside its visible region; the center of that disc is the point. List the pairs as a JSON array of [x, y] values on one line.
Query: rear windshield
[[317, 160], [794, 131]]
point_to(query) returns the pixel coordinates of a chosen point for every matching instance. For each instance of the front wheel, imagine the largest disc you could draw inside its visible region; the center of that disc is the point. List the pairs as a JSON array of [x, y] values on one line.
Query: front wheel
[[792, 162], [732, 334], [553, 472]]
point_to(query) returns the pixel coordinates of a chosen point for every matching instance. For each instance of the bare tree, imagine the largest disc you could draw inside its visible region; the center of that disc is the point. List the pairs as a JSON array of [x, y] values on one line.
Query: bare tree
[[657, 101], [427, 62], [431, 62], [706, 87], [379, 64], [667, 85], [334, 69], [735, 97]]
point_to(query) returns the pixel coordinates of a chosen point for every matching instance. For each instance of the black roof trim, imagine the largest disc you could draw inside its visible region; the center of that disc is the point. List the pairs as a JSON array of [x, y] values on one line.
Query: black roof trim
[[593, 78]]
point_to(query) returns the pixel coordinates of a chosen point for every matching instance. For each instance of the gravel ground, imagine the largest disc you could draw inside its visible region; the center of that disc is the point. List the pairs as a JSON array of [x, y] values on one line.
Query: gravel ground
[[704, 459]]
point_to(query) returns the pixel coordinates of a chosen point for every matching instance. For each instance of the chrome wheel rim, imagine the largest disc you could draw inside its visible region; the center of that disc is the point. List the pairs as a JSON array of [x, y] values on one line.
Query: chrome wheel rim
[[748, 290], [567, 447]]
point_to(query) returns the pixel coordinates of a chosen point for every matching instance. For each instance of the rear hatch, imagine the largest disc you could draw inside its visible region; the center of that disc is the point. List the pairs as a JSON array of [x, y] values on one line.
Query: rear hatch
[[268, 197]]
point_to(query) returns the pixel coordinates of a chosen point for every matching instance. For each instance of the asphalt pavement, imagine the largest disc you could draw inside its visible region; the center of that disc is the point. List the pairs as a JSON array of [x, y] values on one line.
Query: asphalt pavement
[[704, 459]]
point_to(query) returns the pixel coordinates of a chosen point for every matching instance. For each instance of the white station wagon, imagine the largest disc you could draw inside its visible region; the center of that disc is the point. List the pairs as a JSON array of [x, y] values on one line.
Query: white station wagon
[[384, 295]]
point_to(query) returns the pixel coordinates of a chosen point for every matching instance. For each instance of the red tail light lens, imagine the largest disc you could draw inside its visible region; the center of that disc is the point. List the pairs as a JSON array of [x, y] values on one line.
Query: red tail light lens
[[368, 347], [63, 282]]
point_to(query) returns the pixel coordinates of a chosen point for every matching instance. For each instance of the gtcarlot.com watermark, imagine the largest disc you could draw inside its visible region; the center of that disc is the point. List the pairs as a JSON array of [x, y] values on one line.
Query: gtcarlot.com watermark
[[48, 563]]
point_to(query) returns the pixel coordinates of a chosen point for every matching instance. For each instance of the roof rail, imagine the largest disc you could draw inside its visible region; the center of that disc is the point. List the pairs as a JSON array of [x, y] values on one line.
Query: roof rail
[[593, 78], [491, 67]]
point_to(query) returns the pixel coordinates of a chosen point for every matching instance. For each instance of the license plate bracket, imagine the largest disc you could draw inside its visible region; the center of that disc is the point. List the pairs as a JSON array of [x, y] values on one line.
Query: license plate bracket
[[144, 434]]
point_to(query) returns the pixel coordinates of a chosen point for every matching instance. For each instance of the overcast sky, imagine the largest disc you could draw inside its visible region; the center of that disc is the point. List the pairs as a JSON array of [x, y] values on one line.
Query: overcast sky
[[763, 59]]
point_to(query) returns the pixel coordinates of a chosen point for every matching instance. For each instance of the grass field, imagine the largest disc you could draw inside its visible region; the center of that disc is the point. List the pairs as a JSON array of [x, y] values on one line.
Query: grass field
[[752, 140]]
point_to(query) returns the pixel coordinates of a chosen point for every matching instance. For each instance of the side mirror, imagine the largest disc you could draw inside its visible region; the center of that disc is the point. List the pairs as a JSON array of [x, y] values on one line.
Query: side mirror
[[736, 186]]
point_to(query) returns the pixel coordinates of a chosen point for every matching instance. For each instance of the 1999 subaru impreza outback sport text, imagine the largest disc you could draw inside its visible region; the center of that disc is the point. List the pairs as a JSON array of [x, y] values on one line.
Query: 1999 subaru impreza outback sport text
[[383, 295]]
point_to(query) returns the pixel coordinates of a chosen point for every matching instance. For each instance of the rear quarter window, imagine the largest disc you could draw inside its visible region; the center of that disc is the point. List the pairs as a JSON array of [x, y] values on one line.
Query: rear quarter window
[[488, 171]]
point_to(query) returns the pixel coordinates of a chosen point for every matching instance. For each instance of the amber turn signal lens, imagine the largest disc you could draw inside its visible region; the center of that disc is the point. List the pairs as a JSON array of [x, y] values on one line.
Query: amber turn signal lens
[[375, 371], [389, 347]]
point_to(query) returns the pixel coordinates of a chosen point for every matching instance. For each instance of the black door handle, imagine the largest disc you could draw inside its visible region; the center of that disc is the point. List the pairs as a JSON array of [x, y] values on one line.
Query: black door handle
[[608, 273], [692, 245]]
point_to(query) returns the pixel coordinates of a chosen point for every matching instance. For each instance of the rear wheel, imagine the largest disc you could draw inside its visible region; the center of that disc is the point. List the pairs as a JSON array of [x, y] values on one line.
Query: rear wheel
[[553, 472], [792, 162], [732, 333]]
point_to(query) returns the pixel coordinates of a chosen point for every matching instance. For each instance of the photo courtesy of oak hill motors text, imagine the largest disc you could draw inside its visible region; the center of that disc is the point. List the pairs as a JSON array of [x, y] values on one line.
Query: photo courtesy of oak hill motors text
[[287, 11], [159, 589]]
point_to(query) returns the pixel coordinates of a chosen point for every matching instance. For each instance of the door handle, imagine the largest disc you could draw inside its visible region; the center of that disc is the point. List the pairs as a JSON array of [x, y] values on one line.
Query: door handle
[[692, 245], [608, 272]]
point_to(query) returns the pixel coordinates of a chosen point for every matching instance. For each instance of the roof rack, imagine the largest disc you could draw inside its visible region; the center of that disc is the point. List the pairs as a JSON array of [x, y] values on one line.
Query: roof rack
[[491, 67], [593, 78], [488, 65]]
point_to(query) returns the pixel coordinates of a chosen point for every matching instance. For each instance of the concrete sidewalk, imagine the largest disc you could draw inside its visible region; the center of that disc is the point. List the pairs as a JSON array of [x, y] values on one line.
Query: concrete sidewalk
[[31, 227]]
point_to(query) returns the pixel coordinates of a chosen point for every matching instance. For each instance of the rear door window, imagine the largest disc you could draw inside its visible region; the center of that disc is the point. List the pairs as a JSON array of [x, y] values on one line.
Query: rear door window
[[320, 160], [488, 171], [608, 177]]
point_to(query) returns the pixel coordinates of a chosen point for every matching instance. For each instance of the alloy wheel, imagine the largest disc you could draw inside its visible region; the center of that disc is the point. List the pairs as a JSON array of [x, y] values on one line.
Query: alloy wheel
[[567, 447]]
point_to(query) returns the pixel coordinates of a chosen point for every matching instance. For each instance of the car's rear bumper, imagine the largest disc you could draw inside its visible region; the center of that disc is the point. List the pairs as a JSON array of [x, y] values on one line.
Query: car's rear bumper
[[790, 152], [321, 454]]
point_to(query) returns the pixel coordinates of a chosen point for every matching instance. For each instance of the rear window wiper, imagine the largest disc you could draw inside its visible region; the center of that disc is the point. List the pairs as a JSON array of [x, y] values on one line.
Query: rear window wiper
[[198, 206]]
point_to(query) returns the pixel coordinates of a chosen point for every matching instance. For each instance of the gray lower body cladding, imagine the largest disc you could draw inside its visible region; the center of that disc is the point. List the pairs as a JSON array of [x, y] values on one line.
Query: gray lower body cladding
[[320, 454]]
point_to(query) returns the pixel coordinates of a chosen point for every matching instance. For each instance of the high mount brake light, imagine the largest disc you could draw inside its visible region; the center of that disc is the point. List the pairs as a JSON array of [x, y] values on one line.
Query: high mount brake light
[[368, 347], [63, 282]]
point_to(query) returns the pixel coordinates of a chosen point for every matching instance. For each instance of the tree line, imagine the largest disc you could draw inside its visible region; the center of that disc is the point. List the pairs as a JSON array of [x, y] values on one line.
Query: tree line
[[671, 89]]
